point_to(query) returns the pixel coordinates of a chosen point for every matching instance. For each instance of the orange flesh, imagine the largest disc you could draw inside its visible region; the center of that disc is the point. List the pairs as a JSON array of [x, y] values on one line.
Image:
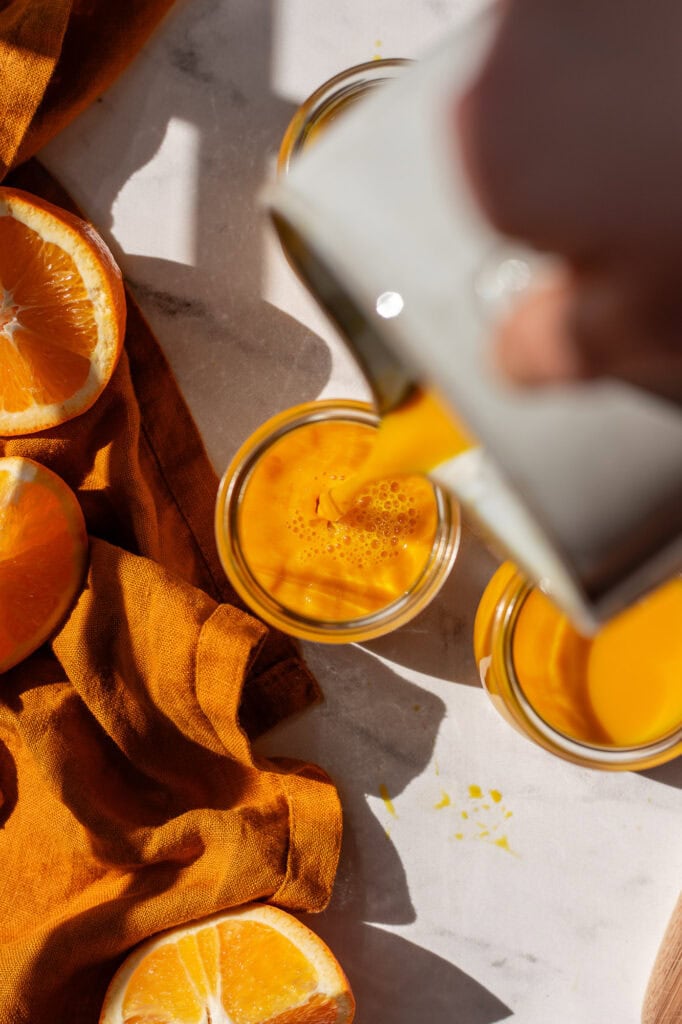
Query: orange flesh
[[252, 971], [342, 570], [246, 969], [621, 688], [42, 551], [47, 328]]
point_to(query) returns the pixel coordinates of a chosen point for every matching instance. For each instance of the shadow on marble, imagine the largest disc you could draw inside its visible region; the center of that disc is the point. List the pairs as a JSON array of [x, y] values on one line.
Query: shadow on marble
[[439, 641], [371, 883], [669, 774], [239, 359], [374, 734], [398, 982]]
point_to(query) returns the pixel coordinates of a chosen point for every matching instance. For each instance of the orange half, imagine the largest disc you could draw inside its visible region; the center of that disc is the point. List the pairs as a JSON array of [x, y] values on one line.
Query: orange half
[[253, 965], [43, 552], [62, 314]]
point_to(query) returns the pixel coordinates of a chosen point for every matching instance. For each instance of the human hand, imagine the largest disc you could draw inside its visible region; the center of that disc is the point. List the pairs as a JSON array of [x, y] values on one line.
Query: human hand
[[572, 135]]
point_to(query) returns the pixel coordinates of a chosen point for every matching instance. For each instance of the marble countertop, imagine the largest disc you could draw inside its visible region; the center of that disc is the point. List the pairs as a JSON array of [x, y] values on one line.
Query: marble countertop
[[431, 917]]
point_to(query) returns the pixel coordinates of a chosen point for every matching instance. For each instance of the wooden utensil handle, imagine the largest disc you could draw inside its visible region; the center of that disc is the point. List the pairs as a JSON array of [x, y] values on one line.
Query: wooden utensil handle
[[663, 999]]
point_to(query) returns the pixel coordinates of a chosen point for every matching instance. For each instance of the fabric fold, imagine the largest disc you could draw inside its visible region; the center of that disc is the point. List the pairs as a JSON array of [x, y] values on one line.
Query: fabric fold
[[30, 46], [58, 56], [141, 803]]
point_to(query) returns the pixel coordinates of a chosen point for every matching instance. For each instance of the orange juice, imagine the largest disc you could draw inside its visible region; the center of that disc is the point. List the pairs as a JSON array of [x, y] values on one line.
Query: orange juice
[[345, 569], [370, 568], [414, 438], [621, 689], [623, 686]]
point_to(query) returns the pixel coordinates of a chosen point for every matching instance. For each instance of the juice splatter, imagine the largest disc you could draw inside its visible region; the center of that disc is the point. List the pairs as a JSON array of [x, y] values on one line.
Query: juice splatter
[[443, 802], [485, 820], [387, 800]]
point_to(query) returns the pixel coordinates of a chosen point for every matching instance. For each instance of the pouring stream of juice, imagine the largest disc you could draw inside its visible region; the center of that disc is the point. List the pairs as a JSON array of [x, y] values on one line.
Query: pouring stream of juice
[[414, 438]]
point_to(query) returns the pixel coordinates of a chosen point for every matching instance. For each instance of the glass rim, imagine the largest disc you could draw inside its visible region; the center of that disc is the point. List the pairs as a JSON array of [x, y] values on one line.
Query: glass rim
[[632, 757], [233, 485], [340, 86]]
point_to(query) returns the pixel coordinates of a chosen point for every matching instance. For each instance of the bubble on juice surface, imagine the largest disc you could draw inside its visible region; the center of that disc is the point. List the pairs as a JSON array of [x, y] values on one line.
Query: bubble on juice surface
[[378, 526]]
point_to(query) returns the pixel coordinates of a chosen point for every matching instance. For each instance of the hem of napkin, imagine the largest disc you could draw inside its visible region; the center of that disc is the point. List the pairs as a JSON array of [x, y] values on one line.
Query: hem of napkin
[[315, 834]]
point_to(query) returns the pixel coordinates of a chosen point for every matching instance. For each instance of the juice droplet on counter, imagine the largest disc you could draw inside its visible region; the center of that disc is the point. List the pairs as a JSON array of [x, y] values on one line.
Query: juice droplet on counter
[[485, 821], [387, 800], [503, 844], [443, 802]]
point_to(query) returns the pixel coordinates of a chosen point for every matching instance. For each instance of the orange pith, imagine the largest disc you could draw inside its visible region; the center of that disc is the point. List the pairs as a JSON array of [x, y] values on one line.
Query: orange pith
[[43, 548], [257, 965], [62, 314]]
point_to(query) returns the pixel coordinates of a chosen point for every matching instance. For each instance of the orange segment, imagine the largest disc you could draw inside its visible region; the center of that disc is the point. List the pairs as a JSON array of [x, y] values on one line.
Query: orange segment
[[248, 949], [62, 314], [43, 547], [254, 965], [161, 989]]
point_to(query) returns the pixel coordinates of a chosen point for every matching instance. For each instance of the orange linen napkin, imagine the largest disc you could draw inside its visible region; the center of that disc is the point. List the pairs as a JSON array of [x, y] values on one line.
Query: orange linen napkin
[[129, 797], [56, 57]]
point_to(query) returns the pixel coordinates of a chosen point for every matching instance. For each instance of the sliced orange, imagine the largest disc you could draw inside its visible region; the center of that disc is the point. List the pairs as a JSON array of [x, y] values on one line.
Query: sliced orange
[[43, 552], [62, 314], [253, 965]]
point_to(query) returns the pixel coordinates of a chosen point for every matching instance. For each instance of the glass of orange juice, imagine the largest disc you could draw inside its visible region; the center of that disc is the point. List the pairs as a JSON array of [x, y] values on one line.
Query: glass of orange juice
[[610, 701], [340, 580]]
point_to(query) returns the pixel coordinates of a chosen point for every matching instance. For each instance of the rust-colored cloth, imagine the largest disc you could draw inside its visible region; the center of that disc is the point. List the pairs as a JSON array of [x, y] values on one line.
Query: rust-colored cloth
[[130, 798], [56, 57]]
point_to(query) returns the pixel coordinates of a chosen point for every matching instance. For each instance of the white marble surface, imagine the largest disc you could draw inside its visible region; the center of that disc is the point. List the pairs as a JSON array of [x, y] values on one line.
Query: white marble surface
[[563, 926]]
